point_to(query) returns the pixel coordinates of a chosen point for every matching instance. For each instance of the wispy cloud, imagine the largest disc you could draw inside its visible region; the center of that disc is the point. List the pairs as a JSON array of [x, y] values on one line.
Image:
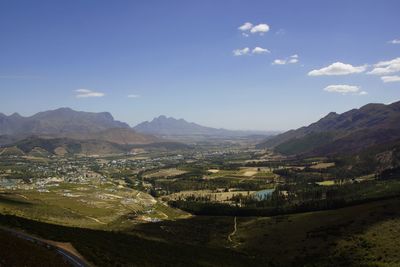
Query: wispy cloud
[[390, 79], [260, 50], [386, 67], [338, 68], [133, 96], [344, 89], [293, 59], [241, 52], [84, 93], [279, 62], [246, 26], [395, 41]]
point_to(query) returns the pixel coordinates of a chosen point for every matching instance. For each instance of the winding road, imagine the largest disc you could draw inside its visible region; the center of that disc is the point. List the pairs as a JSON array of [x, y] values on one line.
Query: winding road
[[71, 258], [234, 230]]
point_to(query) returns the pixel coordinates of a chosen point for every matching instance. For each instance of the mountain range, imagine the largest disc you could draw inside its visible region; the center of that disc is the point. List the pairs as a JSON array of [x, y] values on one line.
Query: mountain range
[[66, 131], [169, 127], [346, 133], [335, 134]]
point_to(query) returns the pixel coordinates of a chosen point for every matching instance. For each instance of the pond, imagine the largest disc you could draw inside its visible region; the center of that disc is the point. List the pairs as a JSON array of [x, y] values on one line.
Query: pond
[[263, 194]]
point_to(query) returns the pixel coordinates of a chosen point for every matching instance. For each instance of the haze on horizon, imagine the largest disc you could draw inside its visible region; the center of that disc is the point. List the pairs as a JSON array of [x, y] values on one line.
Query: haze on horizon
[[255, 65]]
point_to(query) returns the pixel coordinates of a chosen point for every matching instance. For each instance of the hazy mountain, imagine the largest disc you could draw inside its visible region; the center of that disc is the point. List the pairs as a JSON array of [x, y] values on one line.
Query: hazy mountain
[[67, 123], [169, 127], [58, 122], [352, 131], [65, 131]]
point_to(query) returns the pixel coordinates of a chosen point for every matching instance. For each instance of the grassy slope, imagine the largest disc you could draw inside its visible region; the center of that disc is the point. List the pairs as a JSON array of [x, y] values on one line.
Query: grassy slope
[[363, 235]]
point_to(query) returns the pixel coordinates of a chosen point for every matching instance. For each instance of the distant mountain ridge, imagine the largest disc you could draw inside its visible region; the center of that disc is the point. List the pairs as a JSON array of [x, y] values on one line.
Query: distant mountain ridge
[[67, 123], [352, 131], [168, 126], [59, 121]]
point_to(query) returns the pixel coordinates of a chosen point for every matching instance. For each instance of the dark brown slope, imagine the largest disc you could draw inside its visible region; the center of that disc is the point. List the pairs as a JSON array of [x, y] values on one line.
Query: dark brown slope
[[352, 131]]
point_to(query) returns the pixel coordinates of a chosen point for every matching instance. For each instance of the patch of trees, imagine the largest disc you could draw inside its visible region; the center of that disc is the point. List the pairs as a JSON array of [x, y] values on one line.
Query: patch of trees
[[293, 198]]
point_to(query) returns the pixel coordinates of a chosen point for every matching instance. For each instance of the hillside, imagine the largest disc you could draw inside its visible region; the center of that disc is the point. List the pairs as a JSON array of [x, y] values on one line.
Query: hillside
[[62, 146], [350, 132], [168, 126]]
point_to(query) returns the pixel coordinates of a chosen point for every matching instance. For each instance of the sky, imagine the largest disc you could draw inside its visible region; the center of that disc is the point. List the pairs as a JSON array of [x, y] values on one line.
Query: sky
[[236, 64]]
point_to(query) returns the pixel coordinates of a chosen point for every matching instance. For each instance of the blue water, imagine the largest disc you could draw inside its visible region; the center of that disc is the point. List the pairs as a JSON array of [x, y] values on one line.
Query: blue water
[[263, 194]]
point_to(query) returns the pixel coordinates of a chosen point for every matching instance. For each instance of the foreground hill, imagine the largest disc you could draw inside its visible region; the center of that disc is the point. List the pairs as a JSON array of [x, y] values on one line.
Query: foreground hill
[[363, 235], [168, 126], [350, 132]]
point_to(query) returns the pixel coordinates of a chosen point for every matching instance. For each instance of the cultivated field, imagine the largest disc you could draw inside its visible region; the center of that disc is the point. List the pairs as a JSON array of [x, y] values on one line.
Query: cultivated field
[[164, 173]]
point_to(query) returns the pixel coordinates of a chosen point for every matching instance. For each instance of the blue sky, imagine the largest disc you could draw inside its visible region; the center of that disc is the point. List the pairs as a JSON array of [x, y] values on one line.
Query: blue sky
[[177, 58]]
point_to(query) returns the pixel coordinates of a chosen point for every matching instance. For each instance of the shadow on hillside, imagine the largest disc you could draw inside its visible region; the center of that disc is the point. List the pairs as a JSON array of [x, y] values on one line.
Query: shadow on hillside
[[298, 239], [111, 248], [202, 240], [7, 198]]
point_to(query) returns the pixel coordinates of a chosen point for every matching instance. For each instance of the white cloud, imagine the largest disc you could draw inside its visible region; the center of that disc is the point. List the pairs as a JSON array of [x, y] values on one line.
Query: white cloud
[[241, 52], [260, 50], [260, 28], [343, 89], [390, 79], [133, 96], [395, 41], [279, 62], [338, 68], [246, 26], [386, 67], [84, 93], [291, 60], [363, 93]]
